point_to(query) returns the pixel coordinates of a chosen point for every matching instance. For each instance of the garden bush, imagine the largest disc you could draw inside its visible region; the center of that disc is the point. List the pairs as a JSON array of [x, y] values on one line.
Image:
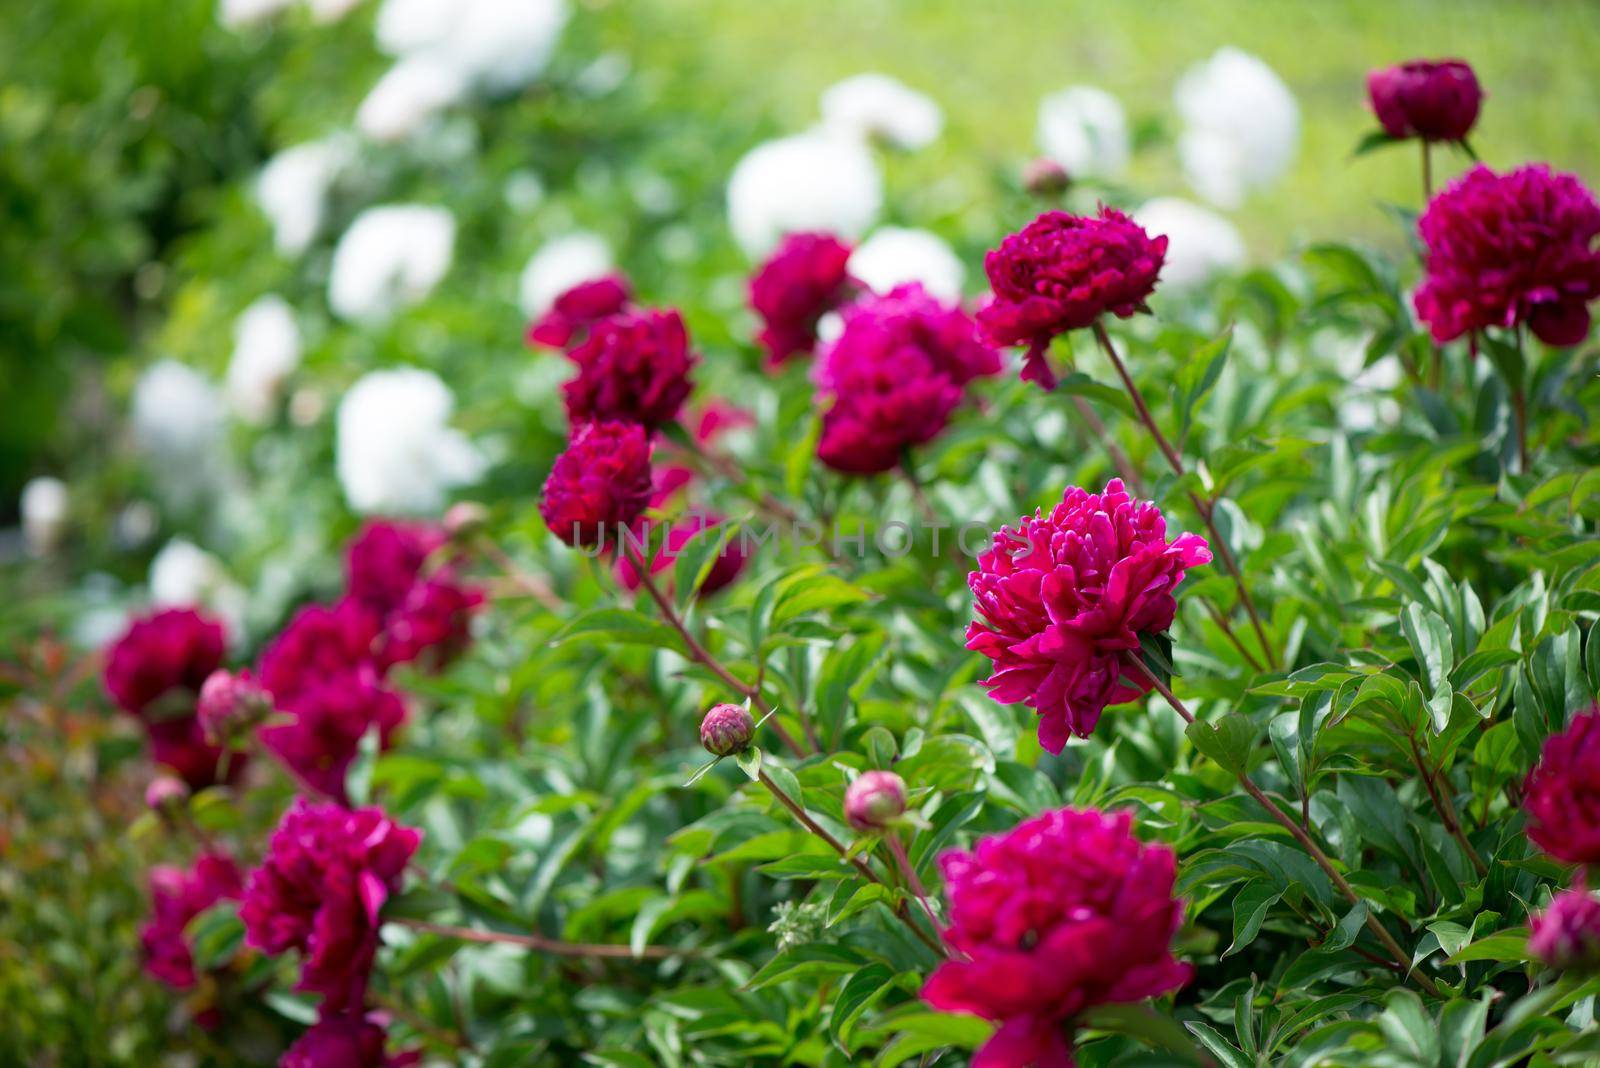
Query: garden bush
[[748, 633]]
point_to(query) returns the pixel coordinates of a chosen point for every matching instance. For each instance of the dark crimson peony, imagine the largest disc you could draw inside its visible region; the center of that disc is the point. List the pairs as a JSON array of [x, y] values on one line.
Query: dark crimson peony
[[320, 643], [1502, 250], [325, 723], [160, 653], [804, 279], [432, 626], [599, 485], [346, 1040], [383, 560], [1562, 793], [633, 368], [729, 562], [893, 376], [1063, 596], [320, 890], [180, 744], [1066, 911], [1566, 936], [578, 309], [1062, 272], [1436, 100], [426, 619], [176, 897]]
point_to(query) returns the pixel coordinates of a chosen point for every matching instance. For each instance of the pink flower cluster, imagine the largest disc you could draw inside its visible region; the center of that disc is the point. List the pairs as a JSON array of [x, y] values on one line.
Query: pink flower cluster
[[327, 874], [176, 897], [1062, 272], [424, 611], [1065, 911], [633, 368], [1510, 249], [806, 277], [154, 672], [893, 376], [1434, 100], [1063, 597], [345, 1041], [1561, 799]]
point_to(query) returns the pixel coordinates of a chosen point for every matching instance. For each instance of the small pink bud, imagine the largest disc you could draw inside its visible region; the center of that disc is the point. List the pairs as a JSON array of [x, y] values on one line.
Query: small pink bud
[[1566, 936], [465, 519], [1045, 177], [165, 792], [726, 730], [874, 800], [230, 705]]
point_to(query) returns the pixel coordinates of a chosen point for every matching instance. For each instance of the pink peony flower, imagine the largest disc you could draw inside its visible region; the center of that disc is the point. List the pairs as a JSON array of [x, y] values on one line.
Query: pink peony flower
[[577, 310], [320, 643], [432, 626], [321, 889], [1436, 100], [421, 618], [632, 367], [176, 897], [166, 652], [1566, 936], [346, 1040], [1561, 795], [1502, 250], [1063, 596], [1066, 911], [383, 560], [600, 483], [804, 279], [893, 376], [326, 722], [729, 562], [1062, 272]]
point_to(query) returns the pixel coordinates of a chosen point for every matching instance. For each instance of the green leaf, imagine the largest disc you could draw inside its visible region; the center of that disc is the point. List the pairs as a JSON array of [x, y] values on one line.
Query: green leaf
[[1373, 140], [859, 992], [1407, 1029], [1508, 946], [811, 961], [1228, 741], [1429, 637], [1250, 907], [750, 762], [696, 558], [813, 593], [1195, 377], [622, 626]]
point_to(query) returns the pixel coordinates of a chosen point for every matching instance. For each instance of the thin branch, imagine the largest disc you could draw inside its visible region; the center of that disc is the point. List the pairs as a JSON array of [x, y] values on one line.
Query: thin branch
[[1445, 808]]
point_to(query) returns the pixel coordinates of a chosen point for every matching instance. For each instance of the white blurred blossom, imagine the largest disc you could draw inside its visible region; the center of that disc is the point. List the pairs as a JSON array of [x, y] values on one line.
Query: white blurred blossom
[[409, 94], [559, 265], [186, 576], [893, 255], [1200, 243], [391, 257], [44, 506], [1085, 130], [237, 13], [293, 188], [876, 106], [266, 350], [816, 180], [177, 411], [1241, 126], [396, 452]]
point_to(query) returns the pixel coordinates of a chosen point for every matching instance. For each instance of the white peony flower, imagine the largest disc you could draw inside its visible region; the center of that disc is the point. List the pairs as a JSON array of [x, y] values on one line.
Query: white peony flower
[[491, 46], [877, 106], [44, 505], [812, 181], [183, 575], [893, 255], [390, 258], [407, 96], [293, 188], [396, 451], [558, 266], [266, 350], [177, 412], [1084, 129], [1241, 126], [1200, 243], [237, 13]]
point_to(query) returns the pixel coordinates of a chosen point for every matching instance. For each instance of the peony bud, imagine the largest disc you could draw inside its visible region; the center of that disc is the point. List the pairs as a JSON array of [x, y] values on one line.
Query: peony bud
[[1433, 100], [230, 705], [1566, 936], [1044, 177], [875, 800], [726, 730], [465, 520], [165, 793]]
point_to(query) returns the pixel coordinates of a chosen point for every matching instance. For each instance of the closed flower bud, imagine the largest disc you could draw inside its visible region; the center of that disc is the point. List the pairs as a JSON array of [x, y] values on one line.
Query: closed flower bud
[[1566, 936], [726, 730], [1044, 177], [465, 520], [1433, 100], [230, 705], [165, 792], [875, 800]]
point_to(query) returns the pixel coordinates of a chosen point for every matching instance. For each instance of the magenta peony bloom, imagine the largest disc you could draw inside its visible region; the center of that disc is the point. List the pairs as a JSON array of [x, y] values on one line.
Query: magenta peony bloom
[[166, 652], [1062, 272], [1561, 795], [426, 619], [874, 800], [1066, 911], [1436, 100], [729, 562], [345, 1040], [1502, 250], [1566, 936], [180, 744], [1063, 596], [633, 368], [326, 722], [578, 309], [176, 897], [599, 485], [320, 890], [804, 279], [893, 377], [383, 560], [320, 643], [432, 626]]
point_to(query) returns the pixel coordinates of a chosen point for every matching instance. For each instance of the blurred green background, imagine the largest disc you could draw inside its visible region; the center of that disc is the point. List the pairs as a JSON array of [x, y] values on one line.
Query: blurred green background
[[127, 125]]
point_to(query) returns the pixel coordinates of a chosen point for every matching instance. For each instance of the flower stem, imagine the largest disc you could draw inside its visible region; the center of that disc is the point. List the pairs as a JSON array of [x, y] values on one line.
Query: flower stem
[[703, 655], [1427, 171], [530, 584], [1297, 833], [1207, 513], [553, 946], [1445, 808], [898, 848]]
